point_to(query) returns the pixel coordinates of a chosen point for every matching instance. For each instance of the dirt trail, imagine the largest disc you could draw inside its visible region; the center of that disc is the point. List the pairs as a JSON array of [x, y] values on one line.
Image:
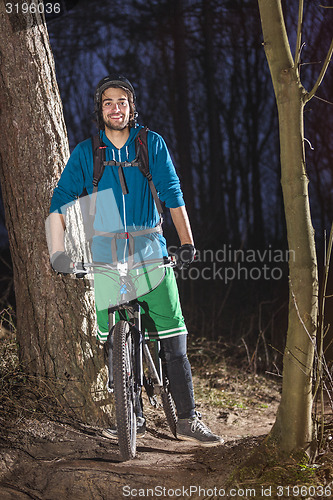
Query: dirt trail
[[48, 460]]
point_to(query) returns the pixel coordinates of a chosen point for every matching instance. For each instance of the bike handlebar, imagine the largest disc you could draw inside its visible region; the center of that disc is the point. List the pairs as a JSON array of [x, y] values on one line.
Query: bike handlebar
[[83, 268]]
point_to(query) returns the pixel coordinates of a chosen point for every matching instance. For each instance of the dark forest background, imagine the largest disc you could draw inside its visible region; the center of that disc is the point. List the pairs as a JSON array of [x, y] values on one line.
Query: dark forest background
[[202, 82]]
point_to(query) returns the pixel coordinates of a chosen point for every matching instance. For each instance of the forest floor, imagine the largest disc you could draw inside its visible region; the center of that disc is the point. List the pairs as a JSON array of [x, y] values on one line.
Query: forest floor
[[47, 458]]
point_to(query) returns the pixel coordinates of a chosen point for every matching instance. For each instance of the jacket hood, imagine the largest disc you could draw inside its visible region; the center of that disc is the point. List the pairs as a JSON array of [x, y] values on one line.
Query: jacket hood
[[133, 133]]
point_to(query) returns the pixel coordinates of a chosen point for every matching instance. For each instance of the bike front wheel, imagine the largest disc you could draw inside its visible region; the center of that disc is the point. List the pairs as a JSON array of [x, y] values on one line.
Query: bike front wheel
[[124, 389]]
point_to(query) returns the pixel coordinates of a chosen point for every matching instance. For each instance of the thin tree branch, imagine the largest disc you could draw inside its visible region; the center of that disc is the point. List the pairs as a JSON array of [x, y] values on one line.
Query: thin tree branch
[[324, 100], [310, 94], [299, 315], [299, 33], [322, 303]]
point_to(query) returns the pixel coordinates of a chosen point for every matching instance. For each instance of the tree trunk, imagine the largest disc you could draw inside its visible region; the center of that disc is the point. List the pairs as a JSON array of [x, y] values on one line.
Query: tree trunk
[[55, 316], [293, 426]]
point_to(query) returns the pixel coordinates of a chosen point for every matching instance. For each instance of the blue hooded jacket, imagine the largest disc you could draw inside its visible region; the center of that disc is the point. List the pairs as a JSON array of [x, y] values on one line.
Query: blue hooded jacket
[[116, 212]]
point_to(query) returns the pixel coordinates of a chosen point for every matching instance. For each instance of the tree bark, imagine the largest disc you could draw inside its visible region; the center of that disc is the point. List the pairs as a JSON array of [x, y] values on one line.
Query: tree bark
[[55, 315], [293, 426]]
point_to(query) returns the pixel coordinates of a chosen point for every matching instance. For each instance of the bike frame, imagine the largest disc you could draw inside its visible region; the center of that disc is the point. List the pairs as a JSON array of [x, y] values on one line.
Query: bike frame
[[130, 311], [126, 372]]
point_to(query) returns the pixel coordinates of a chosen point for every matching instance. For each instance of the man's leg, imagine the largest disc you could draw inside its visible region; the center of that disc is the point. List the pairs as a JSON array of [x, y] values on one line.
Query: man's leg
[[189, 426], [162, 319]]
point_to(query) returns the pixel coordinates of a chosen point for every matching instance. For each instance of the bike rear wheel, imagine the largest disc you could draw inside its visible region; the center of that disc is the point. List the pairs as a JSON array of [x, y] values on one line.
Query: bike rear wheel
[[168, 403], [124, 389], [169, 411]]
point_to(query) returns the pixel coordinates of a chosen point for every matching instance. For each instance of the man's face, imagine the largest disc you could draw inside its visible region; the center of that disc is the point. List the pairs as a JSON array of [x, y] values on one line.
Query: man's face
[[115, 108]]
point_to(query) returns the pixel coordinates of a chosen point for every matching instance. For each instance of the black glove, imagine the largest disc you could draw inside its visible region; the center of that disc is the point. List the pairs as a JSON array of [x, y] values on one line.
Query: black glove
[[61, 263], [184, 256], [80, 267]]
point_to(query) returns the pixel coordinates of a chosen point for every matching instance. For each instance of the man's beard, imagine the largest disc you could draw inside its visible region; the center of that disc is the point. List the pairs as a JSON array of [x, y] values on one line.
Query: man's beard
[[113, 125]]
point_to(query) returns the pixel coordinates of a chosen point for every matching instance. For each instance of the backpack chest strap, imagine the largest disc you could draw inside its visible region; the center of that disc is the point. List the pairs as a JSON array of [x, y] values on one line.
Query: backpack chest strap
[[123, 164]]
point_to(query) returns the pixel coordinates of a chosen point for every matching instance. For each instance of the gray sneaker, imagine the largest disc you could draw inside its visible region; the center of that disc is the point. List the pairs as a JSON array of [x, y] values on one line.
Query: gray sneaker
[[192, 429], [140, 430]]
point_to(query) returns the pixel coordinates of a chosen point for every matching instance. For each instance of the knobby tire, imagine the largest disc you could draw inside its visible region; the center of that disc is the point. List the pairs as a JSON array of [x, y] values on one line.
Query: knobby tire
[[169, 411], [168, 404], [123, 376]]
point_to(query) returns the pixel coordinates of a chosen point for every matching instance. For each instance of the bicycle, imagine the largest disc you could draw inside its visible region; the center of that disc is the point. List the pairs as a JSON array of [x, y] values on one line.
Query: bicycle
[[131, 365]]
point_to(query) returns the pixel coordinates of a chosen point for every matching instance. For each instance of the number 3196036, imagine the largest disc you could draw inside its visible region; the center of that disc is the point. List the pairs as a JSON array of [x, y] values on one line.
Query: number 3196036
[[32, 8]]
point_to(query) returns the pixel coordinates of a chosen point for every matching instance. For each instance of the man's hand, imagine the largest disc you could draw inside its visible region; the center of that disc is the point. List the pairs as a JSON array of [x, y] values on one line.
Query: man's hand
[[184, 256], [61, 263]]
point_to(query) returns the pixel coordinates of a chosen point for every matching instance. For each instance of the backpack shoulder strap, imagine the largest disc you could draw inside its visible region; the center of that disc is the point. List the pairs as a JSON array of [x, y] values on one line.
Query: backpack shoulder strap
[[141, 148], [142, 156], [98, 150]]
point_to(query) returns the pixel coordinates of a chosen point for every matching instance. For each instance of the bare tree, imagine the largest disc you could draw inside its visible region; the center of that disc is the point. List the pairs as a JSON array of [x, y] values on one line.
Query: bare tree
[[293, 426], [55, 317]]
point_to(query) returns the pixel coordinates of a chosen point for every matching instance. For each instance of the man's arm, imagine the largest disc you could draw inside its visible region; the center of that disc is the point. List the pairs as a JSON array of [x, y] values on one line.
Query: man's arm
[[60, 261], [57, 230], [182, 225]]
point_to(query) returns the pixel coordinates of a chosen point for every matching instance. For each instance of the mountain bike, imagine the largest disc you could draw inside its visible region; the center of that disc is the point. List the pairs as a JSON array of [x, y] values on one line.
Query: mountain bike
[[132, 365]]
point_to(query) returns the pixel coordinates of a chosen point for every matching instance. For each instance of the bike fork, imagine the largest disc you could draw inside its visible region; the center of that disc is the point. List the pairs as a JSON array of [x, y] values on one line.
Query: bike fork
[[138, 346], [112, 322]]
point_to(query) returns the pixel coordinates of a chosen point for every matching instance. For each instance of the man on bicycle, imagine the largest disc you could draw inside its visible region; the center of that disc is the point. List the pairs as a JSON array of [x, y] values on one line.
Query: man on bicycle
[[115, 110]]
